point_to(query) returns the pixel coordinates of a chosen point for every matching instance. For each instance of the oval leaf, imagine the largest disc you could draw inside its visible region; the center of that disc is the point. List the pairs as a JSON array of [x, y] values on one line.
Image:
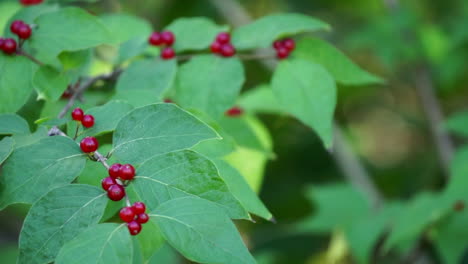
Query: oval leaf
[[200, 231], [11, 124], [6, 147], [56, 219], [50, 83]]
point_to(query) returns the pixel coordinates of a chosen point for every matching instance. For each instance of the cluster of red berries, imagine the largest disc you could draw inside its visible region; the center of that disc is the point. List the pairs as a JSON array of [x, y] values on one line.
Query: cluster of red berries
[[117, 174], [164, 38], [86, 120], [31, 2], [19, 28], [134, 216], [222, 45], [284, 47], [234, 111]]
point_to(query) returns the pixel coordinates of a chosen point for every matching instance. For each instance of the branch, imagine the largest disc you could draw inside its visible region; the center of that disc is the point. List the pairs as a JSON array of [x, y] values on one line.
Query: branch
[[21, 52], [243, 56]]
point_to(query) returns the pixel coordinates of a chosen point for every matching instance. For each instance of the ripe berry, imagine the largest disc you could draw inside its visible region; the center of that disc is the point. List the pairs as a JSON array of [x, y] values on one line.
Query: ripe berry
[[87, 121], [66, 94], [277, 44], [167, 37], [282, 53], [234, 111], [24, 31], [167, 53], [139, 208], [155, 39], [142, 218], [127, 172], [15, 26], [9, 46], [127, 214], [134, 227], [77, 114], [107, 182], [223, 38], [114, 170], [227, 50], [89, 144], [116, 192], [30, 2], [289, 44], [167, 100], [215, 47], [2, 40]]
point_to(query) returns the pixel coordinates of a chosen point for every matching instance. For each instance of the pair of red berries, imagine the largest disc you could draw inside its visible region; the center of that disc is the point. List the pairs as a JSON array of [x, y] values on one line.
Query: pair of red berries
[[31, 2], [22, 30], [134, 216], [86, 120], [284, 47], [164, 38], [222, 45], [235, 111]]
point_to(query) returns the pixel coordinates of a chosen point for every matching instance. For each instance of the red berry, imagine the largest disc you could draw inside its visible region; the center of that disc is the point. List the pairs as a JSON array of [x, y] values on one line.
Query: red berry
[[167, 37], [77, 114], [116, 192], [107, 182], [87, 121], [155, 39], [15, 26], [9, 46], [282, 53], [2, 40], [227, 50], [167, 100], [142, 218], [139, 208], [114, 170], [66, 94], [223, 38], [167, 53], [24, 31], [127, 214], [234, 111], [134, 227], [215, 47], [30, 2], [277, 44], [289, 44], [89, 144], [127, 172]]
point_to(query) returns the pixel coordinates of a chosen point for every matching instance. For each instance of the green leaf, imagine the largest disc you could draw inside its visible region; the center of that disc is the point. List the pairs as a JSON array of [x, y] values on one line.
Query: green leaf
[[22, 140], [157, 129], [6, 148], [15, 82], [241, 190], [76, 63], [209, 83], [150, 240], [50, 163], [166, 254], [153, 75], [69, 29], [103, 243], [458, 123], [184, 173], [337, 205], [57, 218], [260, 100], [262, 32], [307, 91], [11, 124], [450, 238], [132, 48], [194, 33], [106, 117], [200, 231], [124, 27], [50, 83], [137, 98], [340, 67]]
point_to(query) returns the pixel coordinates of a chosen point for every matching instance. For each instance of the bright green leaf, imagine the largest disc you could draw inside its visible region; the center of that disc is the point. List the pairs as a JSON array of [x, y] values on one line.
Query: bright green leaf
[[150, 240], [132, 48], [6, 148], [11, 124], [200, 231], [50, 83], [157, 129], [124, 27], [458, 123], [262, 32], [50, 163], [307, 91], [103, 243], [260, 100], [450, 238], [57, 218], [137, 98], [209, 83]]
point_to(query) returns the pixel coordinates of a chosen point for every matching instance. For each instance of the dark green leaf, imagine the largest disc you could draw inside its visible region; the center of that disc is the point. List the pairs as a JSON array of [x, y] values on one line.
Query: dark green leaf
[[124, 27], [137, 98], [450, 238], [6, 148], [209, 83], [57, 218], [157, 129], [103, 243], [11, 124], [200, 231], [22, 140], [307, 91], [50, 83], [150, 239], [458, 124], [132, 48]]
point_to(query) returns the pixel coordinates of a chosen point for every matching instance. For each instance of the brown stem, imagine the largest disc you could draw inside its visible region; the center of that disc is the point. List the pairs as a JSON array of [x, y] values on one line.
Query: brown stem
[[29, 56], [252, 56]]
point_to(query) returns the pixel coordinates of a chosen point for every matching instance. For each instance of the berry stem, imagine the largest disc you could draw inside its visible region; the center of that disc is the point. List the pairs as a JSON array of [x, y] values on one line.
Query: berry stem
[[252, 56], [76, 131], [29, 56], [99, 157]]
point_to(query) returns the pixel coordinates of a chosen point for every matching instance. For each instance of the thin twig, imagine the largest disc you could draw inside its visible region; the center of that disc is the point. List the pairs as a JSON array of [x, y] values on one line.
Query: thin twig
[[29, 56], [242, 56]]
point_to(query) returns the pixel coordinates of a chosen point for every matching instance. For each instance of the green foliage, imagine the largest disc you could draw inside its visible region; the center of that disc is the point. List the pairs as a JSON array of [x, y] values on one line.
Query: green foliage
[[11, 124], [124, 27], [6, 148], [458, 124], [50, 83]]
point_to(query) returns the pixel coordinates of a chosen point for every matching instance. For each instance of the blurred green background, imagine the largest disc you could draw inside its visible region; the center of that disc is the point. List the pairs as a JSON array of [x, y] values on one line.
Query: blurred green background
[[419, 48]]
